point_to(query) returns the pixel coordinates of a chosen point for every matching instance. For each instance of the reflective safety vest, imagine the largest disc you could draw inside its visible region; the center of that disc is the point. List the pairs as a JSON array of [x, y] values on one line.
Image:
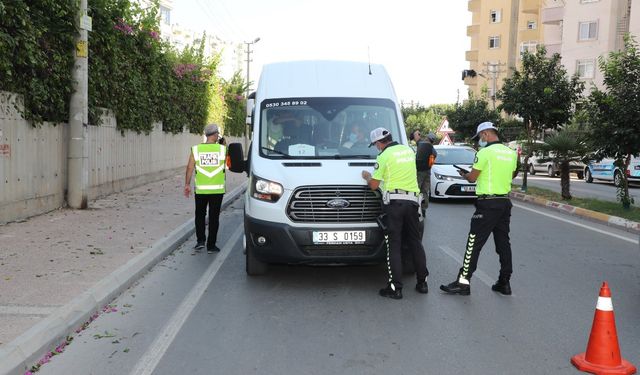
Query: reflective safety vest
[[210, 163]]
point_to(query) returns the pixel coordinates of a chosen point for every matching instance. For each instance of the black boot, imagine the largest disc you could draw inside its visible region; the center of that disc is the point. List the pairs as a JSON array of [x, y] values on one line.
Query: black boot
[[391, 293], [456, 288], [422, 287], [502, 286]]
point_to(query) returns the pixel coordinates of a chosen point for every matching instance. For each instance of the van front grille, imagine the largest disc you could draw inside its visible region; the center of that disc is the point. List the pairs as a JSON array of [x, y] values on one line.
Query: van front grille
[[334, 204]]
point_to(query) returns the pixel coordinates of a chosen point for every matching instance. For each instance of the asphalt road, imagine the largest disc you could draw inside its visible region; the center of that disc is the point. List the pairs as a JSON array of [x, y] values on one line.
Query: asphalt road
[[201, 314], [602, 190]]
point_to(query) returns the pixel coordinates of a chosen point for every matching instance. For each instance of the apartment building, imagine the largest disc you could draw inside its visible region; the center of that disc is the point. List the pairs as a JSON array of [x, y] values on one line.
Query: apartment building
[[583, 30], [500, 31], [180, 36]]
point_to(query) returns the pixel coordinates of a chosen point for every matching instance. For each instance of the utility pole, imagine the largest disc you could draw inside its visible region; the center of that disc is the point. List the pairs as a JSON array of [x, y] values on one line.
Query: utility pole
[[493, 70], [247, 131], [78, 153]]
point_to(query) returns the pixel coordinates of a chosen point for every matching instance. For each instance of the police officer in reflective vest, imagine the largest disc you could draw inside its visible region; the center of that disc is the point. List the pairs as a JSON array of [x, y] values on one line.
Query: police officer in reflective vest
[[208, 161], [493, 169], [396, 169]]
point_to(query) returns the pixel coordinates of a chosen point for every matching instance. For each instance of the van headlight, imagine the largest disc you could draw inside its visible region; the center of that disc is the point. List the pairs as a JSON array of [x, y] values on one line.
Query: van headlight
[[447, 178], [265, 190]]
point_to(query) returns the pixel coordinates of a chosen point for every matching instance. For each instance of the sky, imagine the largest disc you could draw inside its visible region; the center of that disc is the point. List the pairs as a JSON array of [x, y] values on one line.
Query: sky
[[421, 43]]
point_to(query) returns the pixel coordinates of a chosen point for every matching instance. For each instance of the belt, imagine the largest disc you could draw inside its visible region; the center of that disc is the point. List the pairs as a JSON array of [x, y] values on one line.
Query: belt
[[493, 196], [400, 191], [404, 197]]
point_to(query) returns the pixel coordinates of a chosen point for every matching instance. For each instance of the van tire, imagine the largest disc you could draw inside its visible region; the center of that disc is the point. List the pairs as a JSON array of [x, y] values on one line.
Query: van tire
[[587, 176], [254, 266]]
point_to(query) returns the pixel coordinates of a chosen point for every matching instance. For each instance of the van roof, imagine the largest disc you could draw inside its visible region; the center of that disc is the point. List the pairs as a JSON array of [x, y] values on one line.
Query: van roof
[[324, 78]]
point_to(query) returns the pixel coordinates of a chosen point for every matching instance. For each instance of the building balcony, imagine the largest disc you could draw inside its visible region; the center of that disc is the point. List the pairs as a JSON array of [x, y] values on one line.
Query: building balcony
[[529, 34], [473, 6], [530, 6], [553, 47], [473, 30], [471, 55], [552, 15], [471, 81]]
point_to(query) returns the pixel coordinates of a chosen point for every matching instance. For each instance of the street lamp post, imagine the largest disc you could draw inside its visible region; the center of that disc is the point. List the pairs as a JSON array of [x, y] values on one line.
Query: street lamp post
[[246, 127]]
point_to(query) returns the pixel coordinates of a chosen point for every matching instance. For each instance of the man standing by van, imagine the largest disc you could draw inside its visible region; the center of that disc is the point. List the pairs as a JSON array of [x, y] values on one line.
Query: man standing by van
[[395, 165], [208, 160], [425, 157]]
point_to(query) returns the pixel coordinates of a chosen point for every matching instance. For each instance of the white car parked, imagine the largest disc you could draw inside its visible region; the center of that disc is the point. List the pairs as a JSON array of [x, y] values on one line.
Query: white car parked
[[446, 182]]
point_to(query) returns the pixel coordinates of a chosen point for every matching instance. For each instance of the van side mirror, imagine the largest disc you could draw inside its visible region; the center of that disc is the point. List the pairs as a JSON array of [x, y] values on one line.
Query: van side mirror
[[236, 157]]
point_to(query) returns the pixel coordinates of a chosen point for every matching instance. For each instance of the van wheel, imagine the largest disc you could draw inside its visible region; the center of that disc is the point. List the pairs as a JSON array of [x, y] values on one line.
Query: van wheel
[[617, 179], [532, 170], [253, 265]]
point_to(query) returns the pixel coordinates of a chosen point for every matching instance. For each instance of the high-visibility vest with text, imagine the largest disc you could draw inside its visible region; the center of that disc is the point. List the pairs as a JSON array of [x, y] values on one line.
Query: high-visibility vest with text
[[210, 164]]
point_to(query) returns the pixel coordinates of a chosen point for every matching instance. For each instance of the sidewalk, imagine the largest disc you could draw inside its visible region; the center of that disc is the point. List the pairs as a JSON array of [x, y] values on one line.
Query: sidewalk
[[70, 257]]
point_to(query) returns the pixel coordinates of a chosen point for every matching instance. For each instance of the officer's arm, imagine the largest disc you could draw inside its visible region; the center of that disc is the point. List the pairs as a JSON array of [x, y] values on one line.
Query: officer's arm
[[471, 176], [518, 166], [191, 164], [372, 182]]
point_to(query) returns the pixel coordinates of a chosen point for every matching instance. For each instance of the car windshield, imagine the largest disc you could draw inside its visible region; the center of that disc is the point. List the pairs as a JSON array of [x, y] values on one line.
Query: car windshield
[[462, 155], [323, 128]]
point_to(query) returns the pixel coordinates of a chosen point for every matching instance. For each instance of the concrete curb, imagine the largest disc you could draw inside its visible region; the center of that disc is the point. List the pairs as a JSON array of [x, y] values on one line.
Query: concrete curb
[[614, 221], [24, 351]]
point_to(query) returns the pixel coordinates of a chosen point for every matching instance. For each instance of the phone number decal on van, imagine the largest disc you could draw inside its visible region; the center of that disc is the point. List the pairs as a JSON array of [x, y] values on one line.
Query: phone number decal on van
[[286, 104]]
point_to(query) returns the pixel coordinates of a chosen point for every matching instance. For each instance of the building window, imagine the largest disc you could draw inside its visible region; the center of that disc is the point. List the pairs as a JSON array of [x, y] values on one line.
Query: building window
[[496, 16], [586, 69], [494, 42], [165, 15], [588, 30], [529, 46], [532, 25]]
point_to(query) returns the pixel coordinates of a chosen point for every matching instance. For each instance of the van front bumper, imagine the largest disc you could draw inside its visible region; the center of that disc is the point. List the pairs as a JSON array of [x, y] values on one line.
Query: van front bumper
[[294, 245]]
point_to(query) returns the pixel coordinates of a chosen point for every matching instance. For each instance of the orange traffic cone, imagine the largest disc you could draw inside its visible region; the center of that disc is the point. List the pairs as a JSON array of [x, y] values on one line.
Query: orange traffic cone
[[603, 353]]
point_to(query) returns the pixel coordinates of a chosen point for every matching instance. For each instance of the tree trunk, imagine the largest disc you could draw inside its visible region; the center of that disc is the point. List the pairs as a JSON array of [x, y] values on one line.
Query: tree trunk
[[565, 180], [626, 199], [525, 167]]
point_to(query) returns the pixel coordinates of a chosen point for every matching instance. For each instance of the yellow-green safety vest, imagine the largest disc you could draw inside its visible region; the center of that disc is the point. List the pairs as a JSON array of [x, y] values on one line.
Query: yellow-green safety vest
[[210, 163]]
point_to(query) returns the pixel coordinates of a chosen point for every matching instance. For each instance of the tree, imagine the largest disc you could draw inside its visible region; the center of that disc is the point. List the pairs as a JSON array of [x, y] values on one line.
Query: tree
[[614, 114], [464, 118], [541, 94], [563, 148], [233, 91], [426, 119]]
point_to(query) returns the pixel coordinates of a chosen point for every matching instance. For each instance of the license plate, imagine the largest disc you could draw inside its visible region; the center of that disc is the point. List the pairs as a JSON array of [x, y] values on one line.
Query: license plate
[[339, 237], [468, 188]]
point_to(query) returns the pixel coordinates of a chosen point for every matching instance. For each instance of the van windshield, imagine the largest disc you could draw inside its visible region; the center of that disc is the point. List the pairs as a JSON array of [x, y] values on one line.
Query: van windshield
[[323, 128]]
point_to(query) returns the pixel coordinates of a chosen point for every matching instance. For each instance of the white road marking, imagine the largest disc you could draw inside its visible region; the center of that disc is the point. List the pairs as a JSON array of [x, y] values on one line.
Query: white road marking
[[634, 241], [458, 258], [148, 362]]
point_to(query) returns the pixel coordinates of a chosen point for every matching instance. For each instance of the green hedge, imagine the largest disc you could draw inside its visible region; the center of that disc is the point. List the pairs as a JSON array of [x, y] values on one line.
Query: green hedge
[[36, 45], [131, 70]]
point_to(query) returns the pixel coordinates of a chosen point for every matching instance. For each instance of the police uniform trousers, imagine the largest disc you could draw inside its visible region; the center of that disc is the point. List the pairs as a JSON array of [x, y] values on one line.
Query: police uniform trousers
[[492, 215], [403, 225], [214, 202]]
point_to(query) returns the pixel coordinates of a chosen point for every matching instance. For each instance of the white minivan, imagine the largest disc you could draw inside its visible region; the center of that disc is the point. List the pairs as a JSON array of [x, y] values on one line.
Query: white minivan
[[306, 202]]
